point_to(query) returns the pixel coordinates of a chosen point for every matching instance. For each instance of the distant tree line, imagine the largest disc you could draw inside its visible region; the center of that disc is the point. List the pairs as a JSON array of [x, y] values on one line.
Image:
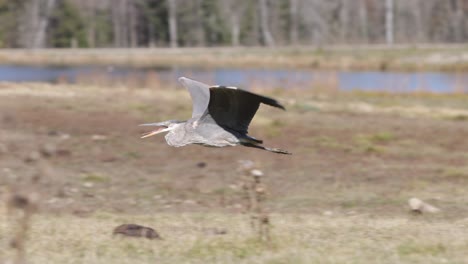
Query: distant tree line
[[200, 23]]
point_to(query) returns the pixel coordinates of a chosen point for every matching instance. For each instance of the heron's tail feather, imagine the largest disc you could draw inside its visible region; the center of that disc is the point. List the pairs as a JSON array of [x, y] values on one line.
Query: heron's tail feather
[[250, 140], [277, 150], [274, 150]]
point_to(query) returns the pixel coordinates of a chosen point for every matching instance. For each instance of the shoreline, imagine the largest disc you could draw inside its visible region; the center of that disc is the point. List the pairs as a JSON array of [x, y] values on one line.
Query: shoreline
[[448, 58]]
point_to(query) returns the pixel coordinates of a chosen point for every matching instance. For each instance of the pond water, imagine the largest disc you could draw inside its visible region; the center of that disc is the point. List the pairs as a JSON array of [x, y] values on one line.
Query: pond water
[[440, 82]]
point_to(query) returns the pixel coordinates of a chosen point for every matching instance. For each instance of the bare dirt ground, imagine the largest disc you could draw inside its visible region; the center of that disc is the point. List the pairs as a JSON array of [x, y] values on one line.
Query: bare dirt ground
[[355, 156]]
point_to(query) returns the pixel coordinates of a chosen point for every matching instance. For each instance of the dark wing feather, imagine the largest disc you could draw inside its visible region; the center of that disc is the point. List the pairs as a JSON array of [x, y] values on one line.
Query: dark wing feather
[[234, 108]]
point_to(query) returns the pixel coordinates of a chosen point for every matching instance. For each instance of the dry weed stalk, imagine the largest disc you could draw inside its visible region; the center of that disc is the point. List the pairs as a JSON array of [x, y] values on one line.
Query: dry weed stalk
[[23, 205], [254, 198], [22, 201]]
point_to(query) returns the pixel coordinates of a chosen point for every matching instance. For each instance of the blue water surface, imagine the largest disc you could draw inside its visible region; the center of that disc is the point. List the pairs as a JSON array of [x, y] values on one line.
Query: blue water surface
[[439, 82]]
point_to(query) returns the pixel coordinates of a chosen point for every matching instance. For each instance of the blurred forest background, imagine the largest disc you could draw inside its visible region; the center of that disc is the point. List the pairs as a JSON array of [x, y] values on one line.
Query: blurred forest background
[[200, 23]]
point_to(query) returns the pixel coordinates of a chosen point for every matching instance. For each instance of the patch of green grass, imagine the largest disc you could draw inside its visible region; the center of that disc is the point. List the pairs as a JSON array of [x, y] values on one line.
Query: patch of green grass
[[370, 148], [381, 137], [326, 141], [133, 155], [239, 249], [274, 127], [366, 144], [95, 177], [69, 107], [421, 248], [303, 107], [372, 143], [459, 117], [331, 143], [277, 123], [140, 107], [456, 173], [350, 200], [378, 138], [130, 249], [223, 191]]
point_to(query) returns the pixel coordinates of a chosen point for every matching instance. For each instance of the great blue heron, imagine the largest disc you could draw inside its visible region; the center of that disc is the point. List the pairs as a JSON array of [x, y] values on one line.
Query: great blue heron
[[220, 117]]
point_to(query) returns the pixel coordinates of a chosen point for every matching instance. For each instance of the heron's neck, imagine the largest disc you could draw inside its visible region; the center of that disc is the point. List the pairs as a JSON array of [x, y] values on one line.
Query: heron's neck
[[176, 137]]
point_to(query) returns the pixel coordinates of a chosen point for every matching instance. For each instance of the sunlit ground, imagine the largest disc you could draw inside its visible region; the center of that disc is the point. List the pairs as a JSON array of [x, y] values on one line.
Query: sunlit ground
[[340, 198], [296, 238]]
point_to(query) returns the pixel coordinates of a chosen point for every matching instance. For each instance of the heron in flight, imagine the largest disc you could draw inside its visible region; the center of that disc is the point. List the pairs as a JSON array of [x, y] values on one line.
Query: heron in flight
[[220, 117]]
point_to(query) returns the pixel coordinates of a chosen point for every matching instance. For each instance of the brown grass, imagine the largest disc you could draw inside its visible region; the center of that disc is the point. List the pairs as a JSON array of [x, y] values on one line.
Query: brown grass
[[341, 197], [423, 57], [297, 238]]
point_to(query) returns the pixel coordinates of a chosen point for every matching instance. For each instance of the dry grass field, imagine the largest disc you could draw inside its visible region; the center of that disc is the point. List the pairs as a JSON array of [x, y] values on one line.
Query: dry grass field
[[297, 238], [340, 198]]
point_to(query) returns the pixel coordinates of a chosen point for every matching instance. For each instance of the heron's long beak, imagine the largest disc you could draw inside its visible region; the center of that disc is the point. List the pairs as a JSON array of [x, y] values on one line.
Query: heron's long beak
[[160, 129]]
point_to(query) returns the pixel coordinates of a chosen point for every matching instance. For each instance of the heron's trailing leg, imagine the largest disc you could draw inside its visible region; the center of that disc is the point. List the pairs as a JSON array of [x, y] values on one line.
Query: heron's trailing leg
[[275, 150]]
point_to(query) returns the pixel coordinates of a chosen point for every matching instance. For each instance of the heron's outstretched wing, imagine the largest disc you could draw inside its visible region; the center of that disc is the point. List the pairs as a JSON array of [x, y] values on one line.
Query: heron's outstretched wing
[[200, 94], [234, 108]]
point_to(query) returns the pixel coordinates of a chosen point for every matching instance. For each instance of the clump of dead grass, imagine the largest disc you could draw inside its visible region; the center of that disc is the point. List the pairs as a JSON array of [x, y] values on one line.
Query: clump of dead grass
[[22, 202], [254, 197]]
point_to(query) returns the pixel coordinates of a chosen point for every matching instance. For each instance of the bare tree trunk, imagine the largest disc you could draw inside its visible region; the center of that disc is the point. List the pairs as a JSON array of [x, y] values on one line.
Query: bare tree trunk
[[457, 20], [316, 26], [344, 20], [119, 23], [293, 27], [35, 11], [116, 27], [420, 34], [173, 23], [198, 27], [267, 37], [152, 40], [91, 28], [363, 21], [34, 22], [389, 22], [132, 24], [123, 20], [235, 29], [39, 40], [233, 9], [28, 22]]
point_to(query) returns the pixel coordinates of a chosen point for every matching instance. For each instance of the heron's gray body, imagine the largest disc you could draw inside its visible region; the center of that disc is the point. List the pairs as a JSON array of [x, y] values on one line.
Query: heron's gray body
[[220, 117], [195, 132]]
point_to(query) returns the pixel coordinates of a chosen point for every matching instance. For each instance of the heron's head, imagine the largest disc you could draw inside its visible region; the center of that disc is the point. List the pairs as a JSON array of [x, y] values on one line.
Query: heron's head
[[161, 127]]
